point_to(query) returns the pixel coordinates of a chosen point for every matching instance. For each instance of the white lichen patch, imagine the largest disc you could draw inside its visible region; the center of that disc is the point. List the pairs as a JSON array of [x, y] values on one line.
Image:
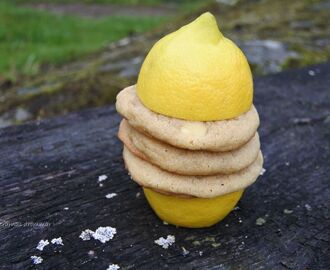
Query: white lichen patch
[[311, 72], [113, 267], [42, 243], [57, 241], [104, 234], [165, 242], [91, 253], [86, 234], [102, 177], [260, 221], [308, 207], [185, 252], [36, 259], [111, 195], [262, 172], [287, 211]]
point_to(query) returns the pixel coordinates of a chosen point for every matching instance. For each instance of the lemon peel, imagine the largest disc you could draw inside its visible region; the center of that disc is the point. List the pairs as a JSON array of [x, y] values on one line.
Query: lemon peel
[[192, 212], [195, 73]]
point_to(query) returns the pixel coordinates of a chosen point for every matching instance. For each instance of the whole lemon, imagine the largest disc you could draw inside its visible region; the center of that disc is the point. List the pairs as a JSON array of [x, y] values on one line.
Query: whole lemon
[[195, 73], [192, 212]]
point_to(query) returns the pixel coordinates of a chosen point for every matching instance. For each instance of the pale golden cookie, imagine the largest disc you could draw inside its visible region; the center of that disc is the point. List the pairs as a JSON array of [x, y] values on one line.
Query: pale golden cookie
[[211, 136], [187, 162], [148, 175]]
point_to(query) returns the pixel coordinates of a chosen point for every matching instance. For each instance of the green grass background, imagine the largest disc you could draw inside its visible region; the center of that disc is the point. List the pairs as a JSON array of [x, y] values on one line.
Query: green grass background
[[30, 38], [119, 2]]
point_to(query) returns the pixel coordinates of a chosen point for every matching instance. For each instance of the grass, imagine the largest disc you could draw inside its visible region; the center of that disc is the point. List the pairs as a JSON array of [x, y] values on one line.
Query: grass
[[31, 38], [117, 2]]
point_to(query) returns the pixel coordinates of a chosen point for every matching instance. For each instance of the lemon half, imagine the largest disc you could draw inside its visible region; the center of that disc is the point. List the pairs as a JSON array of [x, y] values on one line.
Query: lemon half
[[197, 74], [191, 212]]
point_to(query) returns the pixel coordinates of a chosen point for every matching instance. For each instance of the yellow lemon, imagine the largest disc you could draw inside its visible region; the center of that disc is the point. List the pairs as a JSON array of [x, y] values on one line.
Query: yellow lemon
[[192, 212], [195, 73]]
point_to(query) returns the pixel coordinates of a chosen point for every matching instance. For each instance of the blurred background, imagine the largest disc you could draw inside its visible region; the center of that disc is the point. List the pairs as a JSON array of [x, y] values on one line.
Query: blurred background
[[65, 55]]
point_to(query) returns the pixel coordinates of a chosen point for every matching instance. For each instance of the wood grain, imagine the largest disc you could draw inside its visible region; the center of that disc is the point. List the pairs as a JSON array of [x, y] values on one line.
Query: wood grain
[[49, 165]]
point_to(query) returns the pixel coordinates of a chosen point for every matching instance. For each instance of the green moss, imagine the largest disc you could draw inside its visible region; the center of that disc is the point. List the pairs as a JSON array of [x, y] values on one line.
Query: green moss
[[190, 238], [196, 243], [306, 57], [117, 2], [209, 239]]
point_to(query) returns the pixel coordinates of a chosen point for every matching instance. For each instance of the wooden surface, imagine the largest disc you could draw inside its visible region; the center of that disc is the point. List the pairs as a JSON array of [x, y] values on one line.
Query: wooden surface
[[47, 166]]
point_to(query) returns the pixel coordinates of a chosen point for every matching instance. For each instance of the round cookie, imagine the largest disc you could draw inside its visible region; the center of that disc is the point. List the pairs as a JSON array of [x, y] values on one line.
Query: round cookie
[[150, 176], [188, 162], [214, 136]]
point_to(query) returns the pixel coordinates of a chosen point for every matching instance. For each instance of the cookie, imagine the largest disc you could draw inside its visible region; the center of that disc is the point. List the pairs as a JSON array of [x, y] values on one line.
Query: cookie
[[150, 176], [214, 136], [187, 162]]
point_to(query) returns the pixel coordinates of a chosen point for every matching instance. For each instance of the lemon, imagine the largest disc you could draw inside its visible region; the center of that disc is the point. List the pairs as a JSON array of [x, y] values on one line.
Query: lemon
[[192, 212], [197, 74]]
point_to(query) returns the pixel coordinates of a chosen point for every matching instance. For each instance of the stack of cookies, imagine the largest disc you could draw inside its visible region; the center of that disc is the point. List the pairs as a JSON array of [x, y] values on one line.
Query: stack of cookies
[[190, 126], [188, 159]]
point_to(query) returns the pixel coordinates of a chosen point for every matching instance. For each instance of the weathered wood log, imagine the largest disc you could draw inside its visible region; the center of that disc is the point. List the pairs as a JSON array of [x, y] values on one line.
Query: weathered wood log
[[49, 173]]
